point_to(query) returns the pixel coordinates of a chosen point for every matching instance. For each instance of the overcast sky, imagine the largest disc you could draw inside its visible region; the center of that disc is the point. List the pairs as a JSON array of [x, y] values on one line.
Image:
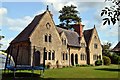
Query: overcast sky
[[16, 15]]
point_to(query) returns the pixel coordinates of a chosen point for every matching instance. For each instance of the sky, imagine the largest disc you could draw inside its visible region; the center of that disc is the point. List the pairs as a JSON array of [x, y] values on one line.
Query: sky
[[16, 15]]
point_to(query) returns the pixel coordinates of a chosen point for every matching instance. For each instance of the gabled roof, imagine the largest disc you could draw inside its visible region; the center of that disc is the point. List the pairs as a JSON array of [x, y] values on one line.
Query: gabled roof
[[88, 35], [24, 35], [116, 48], [72, 37]]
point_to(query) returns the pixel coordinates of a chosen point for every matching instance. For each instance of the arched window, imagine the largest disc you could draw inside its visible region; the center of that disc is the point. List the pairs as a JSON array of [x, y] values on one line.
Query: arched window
[[49, 37], [53, 55], [66, 56], [48, 25], [95, 37], [45, 55], [64, 42], [63, 56], [45, 37], [95, 46], [49, 55]]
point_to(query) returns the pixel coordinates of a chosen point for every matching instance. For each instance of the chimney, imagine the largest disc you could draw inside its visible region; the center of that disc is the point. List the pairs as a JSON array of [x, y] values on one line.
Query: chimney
[[79, 29]]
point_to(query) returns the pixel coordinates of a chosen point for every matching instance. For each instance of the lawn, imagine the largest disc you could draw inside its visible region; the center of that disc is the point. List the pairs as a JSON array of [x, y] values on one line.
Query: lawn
[[111, 71]]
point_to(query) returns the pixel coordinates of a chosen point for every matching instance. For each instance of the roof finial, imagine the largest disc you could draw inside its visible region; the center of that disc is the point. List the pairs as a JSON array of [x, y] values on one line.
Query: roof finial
[[47, 8]]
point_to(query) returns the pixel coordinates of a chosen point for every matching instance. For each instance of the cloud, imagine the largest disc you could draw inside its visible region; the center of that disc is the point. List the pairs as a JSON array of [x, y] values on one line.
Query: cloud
[[5, 43], [3, 11], [16, 24]]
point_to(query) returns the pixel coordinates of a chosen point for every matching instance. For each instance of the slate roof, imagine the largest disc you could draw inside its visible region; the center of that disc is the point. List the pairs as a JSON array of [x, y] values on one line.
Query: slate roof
[[24, 35], [72, 37], [116, 48], [88, 35]]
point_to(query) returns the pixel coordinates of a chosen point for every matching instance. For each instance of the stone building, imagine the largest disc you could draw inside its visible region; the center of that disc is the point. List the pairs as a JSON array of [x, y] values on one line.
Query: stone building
[[43, 42]]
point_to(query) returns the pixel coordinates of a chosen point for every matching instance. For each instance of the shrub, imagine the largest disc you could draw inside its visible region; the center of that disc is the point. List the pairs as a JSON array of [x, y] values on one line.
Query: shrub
[[116, 59], [91, 65], [77, 65], [98, 62], [84, 65], [48, 65], [106, 60]]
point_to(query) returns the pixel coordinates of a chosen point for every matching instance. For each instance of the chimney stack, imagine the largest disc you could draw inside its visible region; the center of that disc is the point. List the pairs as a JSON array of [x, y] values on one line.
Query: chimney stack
[[79, 29]]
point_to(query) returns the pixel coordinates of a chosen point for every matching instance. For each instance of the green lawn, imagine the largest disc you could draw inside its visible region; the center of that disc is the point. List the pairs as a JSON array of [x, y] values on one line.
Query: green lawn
[[82, 72]]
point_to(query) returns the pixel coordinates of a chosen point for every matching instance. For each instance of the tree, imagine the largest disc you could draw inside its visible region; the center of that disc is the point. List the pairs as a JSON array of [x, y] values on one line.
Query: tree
[[106, 49], [68, 14], [106, 60], [0, 39], [112, 13]]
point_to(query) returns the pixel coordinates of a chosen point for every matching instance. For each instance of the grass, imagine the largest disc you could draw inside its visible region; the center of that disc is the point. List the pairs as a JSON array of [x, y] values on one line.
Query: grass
[[84, 72], [111, 71]]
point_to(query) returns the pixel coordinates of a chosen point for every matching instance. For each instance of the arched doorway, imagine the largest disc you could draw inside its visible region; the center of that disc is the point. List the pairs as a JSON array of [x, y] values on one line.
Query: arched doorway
[[36, 58], [72, 59], [76, 58]]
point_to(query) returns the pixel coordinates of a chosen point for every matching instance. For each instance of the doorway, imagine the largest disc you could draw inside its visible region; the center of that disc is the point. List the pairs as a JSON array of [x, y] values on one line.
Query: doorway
[[72, 59], [37, 58], [76, 58]]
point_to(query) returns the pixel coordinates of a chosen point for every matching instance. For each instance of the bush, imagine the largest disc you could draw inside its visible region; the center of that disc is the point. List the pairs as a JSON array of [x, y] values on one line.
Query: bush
[[84, 65], [98, 62], [116, 59], [77, 65], [106, 60], [48, 65]]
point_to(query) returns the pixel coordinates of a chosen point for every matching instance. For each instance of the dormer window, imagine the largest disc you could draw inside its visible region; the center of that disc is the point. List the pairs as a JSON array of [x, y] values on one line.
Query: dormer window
[[82, 45], [48, 25], [64, 42], [95, 46], [95, 37]]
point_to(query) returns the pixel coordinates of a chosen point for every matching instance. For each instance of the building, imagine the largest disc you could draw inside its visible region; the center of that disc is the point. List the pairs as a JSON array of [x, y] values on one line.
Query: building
[[43, 42], [116, 48]]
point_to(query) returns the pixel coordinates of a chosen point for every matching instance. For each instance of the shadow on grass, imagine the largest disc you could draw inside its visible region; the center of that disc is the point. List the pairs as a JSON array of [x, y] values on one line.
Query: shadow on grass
[[108, 69], [21, 76]]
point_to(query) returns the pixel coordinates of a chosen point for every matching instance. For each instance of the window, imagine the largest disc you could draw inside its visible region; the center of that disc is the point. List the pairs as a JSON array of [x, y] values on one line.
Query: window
[[46, 38], [82, 45], [66, 56], [95, 46], [48, 25], [49, 57], [63, 56], [83, 57], [50, 38], [64, 41], [45, 55], [95, 57], [99, 56], [53, 55]]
